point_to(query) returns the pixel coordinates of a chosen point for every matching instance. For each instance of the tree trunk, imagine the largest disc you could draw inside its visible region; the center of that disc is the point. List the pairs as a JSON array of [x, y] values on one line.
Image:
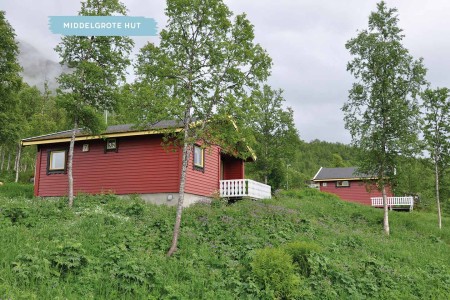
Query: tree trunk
[[3, 150], [15, 159], [9, 161], [386, 211], [186, 154], [438, 203], [70, 162], [19, 152]]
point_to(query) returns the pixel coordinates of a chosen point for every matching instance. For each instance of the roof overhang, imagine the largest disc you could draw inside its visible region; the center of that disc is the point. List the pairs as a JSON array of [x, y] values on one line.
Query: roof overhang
[[340, 179], [42, 140], [24, 142]]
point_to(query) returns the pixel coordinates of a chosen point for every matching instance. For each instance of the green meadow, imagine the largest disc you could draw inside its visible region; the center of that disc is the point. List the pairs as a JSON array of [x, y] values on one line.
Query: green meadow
[[302, 244]]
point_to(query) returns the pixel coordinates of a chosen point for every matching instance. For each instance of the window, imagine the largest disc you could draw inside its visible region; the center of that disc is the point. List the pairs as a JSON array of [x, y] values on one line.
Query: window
[[111, 145], [199, 158], [342, 183], [56, 161], [324, 184]]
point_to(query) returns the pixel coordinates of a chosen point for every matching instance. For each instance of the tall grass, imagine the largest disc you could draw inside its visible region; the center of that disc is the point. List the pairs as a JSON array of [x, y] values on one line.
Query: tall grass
[[318, 248], [12, 190]]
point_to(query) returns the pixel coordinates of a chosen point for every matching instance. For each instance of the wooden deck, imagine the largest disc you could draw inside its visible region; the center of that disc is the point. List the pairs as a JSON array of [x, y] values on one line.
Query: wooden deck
[[238, 188], [394, 202]]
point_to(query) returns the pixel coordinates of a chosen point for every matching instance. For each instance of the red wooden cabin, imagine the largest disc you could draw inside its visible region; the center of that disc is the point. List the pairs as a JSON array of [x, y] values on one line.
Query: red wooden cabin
[[124, 161], [350, 187]]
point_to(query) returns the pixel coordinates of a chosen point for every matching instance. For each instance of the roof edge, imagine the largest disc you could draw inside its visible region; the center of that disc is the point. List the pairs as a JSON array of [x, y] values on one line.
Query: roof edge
[[317, 173], [44, 135], [24, 142], [352, 178]]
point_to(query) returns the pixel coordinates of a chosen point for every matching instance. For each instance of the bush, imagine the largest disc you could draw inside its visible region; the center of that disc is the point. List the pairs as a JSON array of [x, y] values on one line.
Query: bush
[[69, 258], [300, 253], [273, 270], [16, 213], [31, 267]]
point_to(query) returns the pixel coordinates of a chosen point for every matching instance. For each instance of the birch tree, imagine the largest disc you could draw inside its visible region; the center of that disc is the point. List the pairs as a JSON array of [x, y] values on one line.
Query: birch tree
[[10, 83], [382, 112], [275, 134], [203, 68], [436, 131], [97, 65]]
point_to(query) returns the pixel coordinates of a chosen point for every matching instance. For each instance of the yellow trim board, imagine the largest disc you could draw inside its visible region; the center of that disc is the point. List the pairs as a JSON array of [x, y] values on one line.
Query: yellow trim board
[[96, 137]]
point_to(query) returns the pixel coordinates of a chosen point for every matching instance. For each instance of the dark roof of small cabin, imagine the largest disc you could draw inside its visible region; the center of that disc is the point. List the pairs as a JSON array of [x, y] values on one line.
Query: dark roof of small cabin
[[325, 174], [125, 128]]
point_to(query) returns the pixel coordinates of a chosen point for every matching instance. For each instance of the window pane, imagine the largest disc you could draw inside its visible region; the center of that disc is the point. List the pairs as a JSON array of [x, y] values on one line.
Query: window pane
[[57, 160], [198, 156], [111, 144], [343, 183]]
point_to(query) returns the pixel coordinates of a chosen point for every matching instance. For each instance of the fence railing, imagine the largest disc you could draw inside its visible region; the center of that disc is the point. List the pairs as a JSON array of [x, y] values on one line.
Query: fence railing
[[244, 188], [394, 202]]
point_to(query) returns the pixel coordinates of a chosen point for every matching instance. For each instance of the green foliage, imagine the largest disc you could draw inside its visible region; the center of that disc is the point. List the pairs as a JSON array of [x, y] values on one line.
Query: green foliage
[[69, 257], [436, 127], [276, 138], [383, 101], [31, 268], [436, 131], [300, 253], [10, 79], [106, 247], [16, 214], [97, 66], [202, 70], [13, 190], [382, 112], [273, 270], [305, 160]]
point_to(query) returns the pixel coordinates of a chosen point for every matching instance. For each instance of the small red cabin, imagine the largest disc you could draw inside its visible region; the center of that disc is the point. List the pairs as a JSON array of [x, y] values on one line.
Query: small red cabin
[[344, 183], [124, 161]]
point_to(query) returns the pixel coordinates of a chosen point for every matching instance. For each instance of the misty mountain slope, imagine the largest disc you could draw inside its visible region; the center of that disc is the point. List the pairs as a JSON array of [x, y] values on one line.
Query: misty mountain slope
[[37, 67]]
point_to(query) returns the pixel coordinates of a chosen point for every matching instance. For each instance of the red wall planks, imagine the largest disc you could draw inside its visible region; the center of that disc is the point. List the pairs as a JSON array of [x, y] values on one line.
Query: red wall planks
[[141, 165], [204, 182], [357, 192]]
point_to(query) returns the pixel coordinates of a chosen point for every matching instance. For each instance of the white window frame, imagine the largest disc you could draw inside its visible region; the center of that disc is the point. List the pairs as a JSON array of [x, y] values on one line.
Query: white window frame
[[342, 183], [60, 167], [111, 144], [199, 154]]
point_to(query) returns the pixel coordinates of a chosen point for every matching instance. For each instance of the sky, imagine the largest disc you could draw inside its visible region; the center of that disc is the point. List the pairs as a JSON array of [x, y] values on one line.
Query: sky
[[305, 39]]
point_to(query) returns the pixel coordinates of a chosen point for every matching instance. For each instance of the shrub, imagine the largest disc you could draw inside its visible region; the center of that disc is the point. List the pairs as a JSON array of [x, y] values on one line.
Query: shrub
[[131, 275], [30, 267], [273, 270], [300, 253], [16, 213], [135, 209], [69, 258]]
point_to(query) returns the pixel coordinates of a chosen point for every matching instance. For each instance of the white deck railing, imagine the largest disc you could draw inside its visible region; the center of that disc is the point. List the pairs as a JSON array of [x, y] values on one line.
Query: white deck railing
[[394, 202], [244, 188]]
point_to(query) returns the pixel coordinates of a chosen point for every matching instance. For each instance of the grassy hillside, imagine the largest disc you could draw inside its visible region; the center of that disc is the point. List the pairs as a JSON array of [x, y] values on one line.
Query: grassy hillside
[[304, 244]]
